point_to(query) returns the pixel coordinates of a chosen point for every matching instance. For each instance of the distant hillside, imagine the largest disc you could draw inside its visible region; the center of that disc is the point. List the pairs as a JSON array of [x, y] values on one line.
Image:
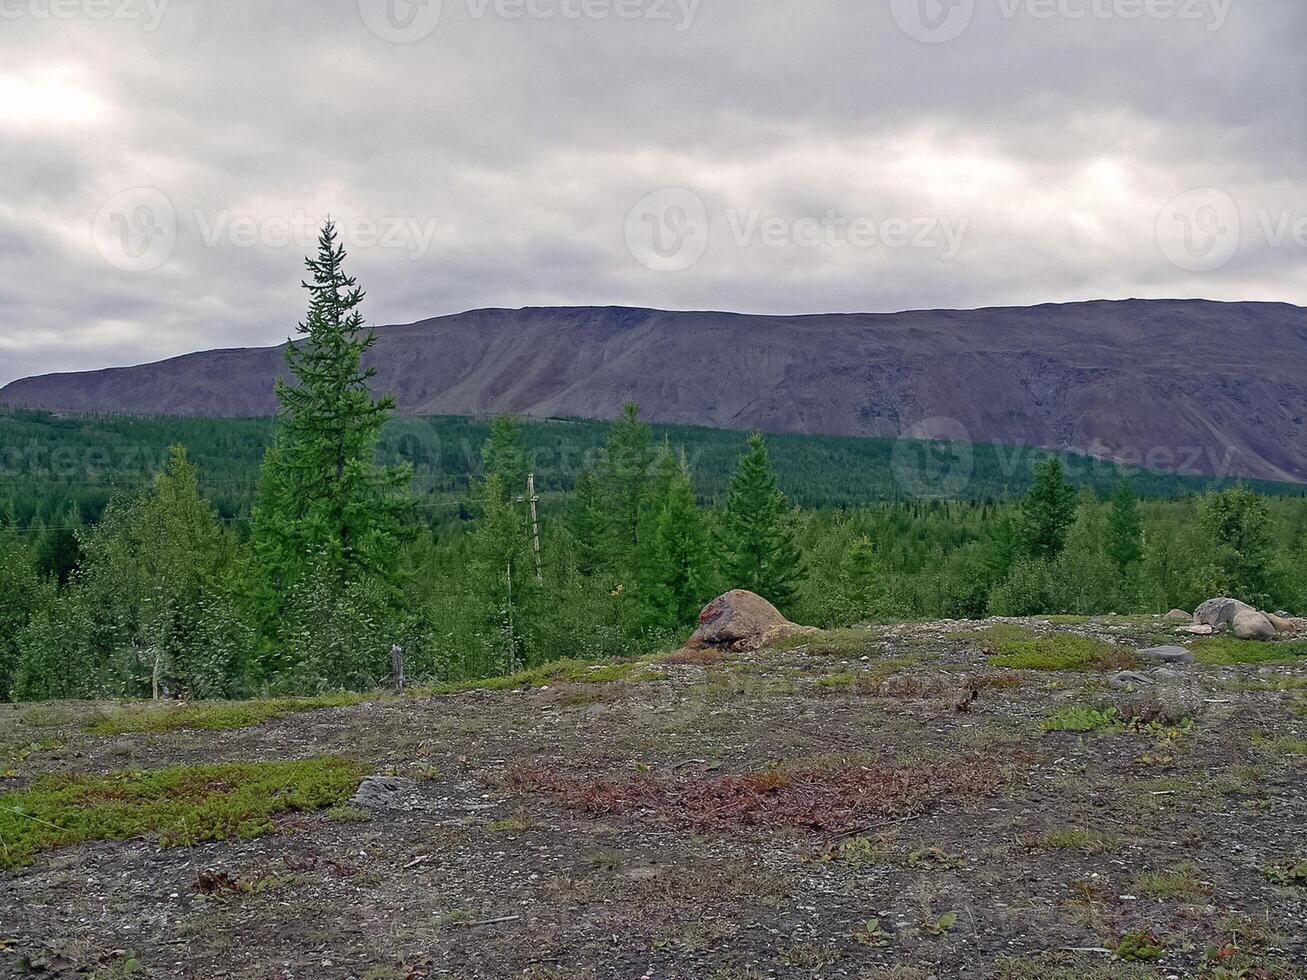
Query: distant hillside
[[54, 462], [1198, 386]]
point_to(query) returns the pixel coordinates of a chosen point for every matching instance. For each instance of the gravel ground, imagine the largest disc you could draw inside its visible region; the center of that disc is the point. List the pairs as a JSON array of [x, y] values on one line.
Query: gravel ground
[[599, 830]]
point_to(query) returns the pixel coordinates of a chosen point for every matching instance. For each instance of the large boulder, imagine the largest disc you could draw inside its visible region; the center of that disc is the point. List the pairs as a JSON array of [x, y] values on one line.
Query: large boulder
[[1220, 612], [740, 621], [1249, 624], [1282, 624]]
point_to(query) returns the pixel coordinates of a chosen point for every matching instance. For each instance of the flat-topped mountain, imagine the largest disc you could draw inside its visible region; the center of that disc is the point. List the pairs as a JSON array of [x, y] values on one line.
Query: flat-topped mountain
[[1188, 384]]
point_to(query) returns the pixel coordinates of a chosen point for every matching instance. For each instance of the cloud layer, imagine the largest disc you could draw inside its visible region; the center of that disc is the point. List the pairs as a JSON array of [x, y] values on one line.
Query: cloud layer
[[165, 164]]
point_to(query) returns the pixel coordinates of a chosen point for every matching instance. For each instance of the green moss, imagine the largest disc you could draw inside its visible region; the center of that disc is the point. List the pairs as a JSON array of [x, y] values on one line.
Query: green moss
[[1139, 946], [182, 805], [1281, 745], [221, 715], [1022, 649], [1226, 651], [557, 672], [850, 644]]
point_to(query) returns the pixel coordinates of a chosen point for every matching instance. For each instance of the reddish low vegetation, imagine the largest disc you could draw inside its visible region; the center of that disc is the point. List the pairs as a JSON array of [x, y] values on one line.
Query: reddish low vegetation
[[833, 800]]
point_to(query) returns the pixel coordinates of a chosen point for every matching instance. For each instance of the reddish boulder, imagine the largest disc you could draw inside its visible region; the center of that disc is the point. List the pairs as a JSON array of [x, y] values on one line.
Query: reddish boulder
[[740, 621]]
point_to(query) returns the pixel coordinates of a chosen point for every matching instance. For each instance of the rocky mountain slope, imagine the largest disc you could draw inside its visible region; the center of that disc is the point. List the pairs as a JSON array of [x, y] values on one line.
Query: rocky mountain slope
[[1191, 385]]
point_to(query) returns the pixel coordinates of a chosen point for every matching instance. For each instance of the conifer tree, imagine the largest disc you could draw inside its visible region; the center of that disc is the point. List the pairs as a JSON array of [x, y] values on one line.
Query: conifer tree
[[502, 575], [760, 550], [1048, 511], [1125, 533], [323, 499], [505, 455], [625, 479], [678, 577]]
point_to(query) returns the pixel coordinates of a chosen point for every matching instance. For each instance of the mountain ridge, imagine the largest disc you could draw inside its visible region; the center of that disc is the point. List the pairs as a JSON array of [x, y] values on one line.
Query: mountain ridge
[[1178, 383]]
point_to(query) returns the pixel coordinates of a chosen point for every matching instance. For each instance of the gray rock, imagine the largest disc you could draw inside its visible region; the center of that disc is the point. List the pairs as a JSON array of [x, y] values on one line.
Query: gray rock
[[1249, 624], [1167, 655], [1177, 616], [385, 793], [1219, 612], [1127, 679]]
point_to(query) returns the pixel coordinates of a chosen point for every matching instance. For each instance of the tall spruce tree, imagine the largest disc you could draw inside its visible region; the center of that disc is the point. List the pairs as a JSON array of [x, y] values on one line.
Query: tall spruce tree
[[625, 479], [677, 575], [1125, 530], [323, 499], [505, 455], [1048, 511], [761, 554]]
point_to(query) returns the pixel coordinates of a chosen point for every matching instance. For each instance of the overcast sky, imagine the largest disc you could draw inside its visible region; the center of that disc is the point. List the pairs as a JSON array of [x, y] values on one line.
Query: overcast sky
[[163, 165]]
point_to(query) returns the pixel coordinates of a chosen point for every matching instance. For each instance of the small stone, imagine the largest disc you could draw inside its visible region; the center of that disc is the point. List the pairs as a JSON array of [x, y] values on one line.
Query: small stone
[[1178, 616], [1167, 655], [384, 792], [1127, 679]]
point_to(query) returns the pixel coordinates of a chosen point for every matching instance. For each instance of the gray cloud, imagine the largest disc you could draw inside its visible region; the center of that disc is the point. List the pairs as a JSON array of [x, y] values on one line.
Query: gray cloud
[[496, 161]]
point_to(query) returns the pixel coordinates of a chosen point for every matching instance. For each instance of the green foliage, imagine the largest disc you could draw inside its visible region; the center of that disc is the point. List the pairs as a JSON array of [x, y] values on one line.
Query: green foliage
[[218, 715], [504, 455], [1236, 525], [1180, 884], [1226, 651], [626, 488], [1048, 511], [1023, 650], [23, 596], [1138, 947], [326, 509], [1288, 873], [183, 805], [1125, 530], [1082, 718], [156, 604], [757, 534], [676, 573]]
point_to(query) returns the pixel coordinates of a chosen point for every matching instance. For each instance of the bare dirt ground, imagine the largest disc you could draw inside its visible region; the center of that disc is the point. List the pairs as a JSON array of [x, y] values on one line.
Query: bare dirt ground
[[734, 819]]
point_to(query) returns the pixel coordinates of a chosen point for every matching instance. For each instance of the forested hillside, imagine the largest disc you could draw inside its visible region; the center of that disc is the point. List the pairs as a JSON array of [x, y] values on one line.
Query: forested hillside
[[63, 469], [292, 556]]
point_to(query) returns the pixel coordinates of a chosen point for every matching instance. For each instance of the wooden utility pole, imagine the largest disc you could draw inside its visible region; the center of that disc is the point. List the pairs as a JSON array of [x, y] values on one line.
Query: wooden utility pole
[[535, 522], [397, 668]]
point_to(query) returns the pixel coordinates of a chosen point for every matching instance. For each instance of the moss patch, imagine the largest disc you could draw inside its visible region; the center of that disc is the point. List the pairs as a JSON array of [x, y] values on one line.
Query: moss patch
[[1022, 649], [1226, 651], [221, 715], [183, 805]]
